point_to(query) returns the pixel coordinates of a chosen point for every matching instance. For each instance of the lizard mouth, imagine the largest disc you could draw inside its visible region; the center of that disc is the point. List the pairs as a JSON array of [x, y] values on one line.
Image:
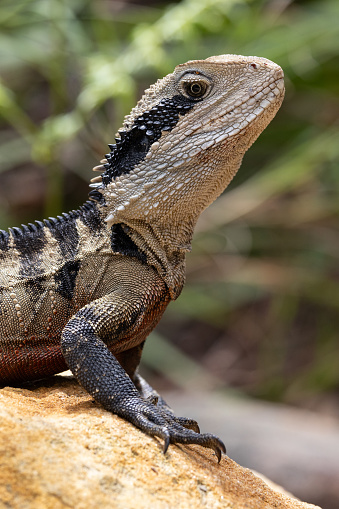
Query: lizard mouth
[[255, 104]]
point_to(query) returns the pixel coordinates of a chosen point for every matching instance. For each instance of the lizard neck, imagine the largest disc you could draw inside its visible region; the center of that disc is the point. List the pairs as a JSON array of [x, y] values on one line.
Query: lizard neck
[[165, 247], [162, 225]]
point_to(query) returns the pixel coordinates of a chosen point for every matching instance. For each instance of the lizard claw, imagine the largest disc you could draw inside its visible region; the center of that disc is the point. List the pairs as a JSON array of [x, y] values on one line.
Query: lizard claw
[[173, 430], [219, 448], [167, 441]]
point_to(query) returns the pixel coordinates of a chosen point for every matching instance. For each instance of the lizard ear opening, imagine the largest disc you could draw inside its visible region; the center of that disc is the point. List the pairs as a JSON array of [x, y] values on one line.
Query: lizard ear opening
[[195, 86]]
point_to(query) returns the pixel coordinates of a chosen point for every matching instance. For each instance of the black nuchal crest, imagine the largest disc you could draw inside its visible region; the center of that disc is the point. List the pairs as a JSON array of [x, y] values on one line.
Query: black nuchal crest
[[132, 146]]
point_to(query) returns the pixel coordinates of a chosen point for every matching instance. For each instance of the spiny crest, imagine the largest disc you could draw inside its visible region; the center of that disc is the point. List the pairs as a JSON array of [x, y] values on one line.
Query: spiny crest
[[33, 231]]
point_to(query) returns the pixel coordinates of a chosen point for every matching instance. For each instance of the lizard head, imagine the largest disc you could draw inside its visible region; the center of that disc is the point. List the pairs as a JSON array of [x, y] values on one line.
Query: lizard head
[[184, 141]]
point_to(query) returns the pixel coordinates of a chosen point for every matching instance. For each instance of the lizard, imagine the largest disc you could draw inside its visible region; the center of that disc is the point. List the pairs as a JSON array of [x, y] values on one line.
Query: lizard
[[83, 290]]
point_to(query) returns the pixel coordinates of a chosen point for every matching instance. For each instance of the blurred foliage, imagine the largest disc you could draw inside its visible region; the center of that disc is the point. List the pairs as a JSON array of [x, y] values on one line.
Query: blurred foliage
[[260, 310]]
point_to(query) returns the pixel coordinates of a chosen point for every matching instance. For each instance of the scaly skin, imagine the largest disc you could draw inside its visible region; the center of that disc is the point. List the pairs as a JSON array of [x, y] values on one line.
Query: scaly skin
[[84, 290]]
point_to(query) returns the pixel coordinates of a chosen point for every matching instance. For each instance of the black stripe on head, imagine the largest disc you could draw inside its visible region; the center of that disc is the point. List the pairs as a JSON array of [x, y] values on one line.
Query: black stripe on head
[[132, 146], [123, 244]]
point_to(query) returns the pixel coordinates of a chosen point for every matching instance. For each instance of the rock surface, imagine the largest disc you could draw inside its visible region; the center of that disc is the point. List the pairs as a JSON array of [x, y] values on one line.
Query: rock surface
[[59, 450], [296, 448]]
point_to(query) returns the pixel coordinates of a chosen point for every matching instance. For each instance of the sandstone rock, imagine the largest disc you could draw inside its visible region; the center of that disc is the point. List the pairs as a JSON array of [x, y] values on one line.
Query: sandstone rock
[[297, 448], [59, 449]]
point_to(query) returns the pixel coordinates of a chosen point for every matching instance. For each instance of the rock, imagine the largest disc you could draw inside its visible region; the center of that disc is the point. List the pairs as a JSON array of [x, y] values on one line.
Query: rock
[[296, 448], [59, 449]]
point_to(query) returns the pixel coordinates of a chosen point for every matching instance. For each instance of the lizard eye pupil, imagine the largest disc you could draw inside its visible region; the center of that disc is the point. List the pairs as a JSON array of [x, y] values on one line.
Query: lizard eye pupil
[[195, 89]]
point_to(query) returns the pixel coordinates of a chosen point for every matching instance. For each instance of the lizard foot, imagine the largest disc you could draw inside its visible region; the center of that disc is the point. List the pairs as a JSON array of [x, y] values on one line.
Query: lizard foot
[[163, 424], [147, 392]]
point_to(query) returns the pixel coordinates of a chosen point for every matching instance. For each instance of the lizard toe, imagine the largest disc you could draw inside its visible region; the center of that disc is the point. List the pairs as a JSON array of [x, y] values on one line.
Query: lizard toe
[[184, 435], [165, 425], [187, 423]]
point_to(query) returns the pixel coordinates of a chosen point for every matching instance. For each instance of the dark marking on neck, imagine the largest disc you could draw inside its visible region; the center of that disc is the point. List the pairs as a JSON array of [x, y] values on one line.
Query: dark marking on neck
[[123, 244], [65, 279], [132, 146]]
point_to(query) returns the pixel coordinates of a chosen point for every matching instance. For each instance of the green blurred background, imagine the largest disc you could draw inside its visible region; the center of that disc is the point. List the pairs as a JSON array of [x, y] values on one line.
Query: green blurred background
[[259, 312]]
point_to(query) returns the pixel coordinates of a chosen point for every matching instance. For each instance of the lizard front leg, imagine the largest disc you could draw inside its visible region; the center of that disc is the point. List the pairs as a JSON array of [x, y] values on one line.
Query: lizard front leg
[[130, 360], [87, 347]]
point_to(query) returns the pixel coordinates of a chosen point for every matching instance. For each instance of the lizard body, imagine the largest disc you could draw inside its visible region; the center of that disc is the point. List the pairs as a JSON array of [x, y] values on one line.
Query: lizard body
[[85, 289]]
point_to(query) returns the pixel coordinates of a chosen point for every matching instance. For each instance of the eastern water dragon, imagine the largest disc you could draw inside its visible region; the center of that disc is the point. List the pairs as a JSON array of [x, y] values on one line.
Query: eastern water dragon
[[83, 290]]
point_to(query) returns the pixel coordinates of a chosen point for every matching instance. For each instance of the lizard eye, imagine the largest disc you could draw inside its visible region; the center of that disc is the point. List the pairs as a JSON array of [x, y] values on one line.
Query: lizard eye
[[195, 87]]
